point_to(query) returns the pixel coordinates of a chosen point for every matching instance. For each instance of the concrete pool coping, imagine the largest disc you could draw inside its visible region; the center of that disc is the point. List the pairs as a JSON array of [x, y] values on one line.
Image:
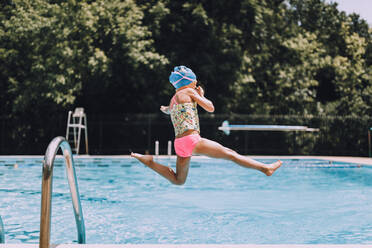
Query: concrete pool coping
[[347, 159], [183, 246]]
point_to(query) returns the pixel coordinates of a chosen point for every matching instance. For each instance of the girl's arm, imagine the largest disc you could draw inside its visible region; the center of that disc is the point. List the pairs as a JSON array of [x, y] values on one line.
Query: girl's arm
[[198, 96]]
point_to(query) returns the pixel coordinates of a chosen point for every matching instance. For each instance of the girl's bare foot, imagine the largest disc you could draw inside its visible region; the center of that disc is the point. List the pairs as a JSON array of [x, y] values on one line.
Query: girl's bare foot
[[273, 167], [145, 159]]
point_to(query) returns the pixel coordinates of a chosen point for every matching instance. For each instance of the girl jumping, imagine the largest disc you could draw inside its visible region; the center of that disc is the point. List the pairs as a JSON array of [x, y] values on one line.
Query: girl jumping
[[184, 115]]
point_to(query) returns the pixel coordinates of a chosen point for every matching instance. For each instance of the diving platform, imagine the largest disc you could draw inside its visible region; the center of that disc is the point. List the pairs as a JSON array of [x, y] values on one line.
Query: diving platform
[[226, 128]]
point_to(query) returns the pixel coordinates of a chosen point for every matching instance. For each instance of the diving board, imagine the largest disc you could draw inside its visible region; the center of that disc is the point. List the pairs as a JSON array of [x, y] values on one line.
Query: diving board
[[226, 128]]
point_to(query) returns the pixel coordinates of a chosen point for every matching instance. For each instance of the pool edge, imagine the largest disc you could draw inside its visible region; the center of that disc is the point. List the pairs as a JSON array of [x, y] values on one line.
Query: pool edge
[[186, 246], [348, 159]]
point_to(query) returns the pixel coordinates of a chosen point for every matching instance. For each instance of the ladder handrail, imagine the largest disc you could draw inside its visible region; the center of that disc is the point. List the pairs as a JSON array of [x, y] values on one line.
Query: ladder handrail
[[46, 191], [2, 236]]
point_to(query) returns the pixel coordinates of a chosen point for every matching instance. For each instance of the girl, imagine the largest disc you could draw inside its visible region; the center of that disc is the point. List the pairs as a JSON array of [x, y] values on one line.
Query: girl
[[184, 116]]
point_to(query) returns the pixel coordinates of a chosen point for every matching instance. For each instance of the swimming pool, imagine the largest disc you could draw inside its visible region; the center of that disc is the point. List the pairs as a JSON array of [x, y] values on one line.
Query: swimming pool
[[305, 202]]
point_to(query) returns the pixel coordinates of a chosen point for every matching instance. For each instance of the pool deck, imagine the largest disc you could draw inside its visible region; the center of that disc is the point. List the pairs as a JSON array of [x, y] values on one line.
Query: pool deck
[[357, 160], [182, 246]]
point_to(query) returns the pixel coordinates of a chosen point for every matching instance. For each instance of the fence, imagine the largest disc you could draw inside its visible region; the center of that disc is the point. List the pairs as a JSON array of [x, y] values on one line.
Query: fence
[[120, 134]]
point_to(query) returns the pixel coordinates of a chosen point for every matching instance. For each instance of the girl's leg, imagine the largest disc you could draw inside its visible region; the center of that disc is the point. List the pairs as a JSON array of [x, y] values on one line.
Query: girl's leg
[[215, 150], [178, 177]]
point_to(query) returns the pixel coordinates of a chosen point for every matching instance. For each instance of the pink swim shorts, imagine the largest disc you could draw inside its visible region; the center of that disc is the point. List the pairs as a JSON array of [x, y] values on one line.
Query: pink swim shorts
[[186, 144]]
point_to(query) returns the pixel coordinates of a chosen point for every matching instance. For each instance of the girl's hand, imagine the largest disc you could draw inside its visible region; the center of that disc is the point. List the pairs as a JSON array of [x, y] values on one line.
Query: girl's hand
[[164, 109], [200, 91], [198, 96]]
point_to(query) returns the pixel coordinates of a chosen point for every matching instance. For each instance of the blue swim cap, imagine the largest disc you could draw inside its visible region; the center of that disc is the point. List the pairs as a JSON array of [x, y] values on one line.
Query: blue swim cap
[[181, 76]]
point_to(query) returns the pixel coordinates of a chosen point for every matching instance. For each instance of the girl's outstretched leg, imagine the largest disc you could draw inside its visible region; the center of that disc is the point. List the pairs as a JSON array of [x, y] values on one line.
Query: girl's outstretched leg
[[178, 177], [215, 150]]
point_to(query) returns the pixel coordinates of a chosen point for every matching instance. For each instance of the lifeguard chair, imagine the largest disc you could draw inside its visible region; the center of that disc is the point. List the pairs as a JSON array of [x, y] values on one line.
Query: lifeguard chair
[[77, 120]]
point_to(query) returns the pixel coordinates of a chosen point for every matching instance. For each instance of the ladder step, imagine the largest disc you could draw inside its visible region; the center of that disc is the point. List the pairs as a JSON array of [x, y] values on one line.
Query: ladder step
[[76, 125]]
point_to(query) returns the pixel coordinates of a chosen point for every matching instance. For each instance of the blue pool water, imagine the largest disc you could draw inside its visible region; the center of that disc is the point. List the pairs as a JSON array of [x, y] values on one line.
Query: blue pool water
[[305, 202]]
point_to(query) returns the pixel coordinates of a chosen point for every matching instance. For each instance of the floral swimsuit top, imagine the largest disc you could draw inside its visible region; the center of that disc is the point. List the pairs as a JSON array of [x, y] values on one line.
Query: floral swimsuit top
[[184, 116]]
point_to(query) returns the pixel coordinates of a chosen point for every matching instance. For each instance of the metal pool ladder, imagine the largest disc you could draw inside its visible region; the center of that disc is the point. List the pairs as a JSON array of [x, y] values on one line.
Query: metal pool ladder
[[2, 237], [46, 191]]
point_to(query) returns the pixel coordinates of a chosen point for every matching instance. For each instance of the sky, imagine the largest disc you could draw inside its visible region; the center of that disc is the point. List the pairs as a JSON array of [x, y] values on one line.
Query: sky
[[361, 7]]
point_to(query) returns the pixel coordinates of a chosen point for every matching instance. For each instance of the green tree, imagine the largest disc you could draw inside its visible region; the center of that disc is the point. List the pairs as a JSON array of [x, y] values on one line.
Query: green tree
[[53, 53], [115, 56], [209, 37], [308, 58]]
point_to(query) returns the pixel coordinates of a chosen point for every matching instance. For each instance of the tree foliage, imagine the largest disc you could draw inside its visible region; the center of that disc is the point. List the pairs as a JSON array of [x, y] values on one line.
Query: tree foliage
[[114, 56], [53, 53]]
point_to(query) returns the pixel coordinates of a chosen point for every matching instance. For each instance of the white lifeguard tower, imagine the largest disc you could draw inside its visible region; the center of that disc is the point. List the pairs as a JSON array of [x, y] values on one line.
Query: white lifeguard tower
[[77, 121]]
